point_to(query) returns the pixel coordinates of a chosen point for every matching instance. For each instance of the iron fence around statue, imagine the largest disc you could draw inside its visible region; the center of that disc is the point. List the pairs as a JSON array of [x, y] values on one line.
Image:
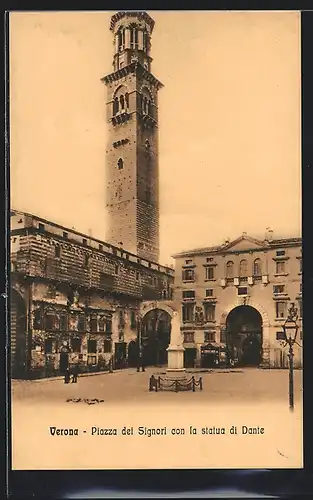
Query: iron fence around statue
[[163, 384]]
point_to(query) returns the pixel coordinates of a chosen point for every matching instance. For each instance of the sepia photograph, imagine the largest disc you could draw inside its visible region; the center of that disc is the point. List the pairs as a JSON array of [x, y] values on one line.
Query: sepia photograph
[[155, 240]]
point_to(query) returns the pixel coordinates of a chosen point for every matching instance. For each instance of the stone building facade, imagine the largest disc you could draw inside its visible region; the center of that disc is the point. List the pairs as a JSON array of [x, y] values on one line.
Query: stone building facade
[[75, 299], [132, 188], [237, 296]]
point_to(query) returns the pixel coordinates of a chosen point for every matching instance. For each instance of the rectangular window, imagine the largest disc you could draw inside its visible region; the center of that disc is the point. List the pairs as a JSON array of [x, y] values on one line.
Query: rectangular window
[[100, 247], [116, 268], [280, 253], [280, 267], [189, 337], [209, 312], [91, 359], [242, 290], [84, 242], [93, 325], [48, 346], [63, 322], [280, 336], [76, 345], [86, 260], [188, 294], [57, 251], [300, 265], [280, 308], [81, 325], [278, 289], [209, 336], [41, 227], [50, 321], [133, 321], [209, 292], [209, 259], [121, 318], [188, 312], [188, 275], [137, 276], [209, 273], [107, 346], [188, 261], [65, 235], [108, 326], [92, 346]]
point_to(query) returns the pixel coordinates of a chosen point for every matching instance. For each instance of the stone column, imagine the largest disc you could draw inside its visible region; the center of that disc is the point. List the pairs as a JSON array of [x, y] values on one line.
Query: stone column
[[175, 369]]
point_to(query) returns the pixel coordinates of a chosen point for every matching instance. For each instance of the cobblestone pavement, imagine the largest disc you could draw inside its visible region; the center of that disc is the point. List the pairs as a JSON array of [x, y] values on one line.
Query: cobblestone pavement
[[219, 385]]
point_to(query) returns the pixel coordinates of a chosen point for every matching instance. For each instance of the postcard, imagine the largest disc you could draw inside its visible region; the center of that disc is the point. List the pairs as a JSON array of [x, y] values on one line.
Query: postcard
[[156, 249]]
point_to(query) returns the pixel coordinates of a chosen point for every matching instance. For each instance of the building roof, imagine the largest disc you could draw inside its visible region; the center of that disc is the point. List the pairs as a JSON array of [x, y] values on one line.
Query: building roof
[[139, 14], [242, 243], [161, 267]]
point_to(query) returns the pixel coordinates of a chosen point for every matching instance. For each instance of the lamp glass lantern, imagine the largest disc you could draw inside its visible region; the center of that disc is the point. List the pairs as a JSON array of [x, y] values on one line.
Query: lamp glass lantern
[[290, 328]]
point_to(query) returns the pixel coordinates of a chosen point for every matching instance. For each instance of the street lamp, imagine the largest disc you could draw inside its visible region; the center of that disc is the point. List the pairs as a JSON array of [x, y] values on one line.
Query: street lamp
[[290, 328]]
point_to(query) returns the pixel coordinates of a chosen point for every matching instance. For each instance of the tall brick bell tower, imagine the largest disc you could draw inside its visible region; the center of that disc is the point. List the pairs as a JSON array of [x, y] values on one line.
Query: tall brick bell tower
[[132, 190]]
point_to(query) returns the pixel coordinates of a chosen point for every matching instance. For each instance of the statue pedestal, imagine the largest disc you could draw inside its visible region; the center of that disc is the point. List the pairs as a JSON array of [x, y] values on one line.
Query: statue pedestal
[[175, 363]]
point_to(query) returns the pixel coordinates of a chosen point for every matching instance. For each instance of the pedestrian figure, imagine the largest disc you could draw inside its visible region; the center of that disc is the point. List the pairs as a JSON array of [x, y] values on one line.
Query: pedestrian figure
[[74, 374], [67, 376]]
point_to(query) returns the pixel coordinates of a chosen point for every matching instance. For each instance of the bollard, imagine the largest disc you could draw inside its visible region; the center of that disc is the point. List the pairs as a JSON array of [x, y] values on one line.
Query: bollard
[[193, 384], [159, 382], [151, 383], [200, 383]]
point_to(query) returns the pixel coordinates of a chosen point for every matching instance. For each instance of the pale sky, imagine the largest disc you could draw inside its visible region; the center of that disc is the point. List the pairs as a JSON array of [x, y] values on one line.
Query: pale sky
[[229, 122]]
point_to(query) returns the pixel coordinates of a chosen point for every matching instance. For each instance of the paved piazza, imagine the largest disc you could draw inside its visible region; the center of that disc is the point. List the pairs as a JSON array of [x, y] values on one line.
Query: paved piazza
[[251, 397], [128, 385]]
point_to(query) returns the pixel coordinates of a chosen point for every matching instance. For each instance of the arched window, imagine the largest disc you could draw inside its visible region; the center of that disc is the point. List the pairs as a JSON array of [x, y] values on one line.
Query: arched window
[[257, 267], [229, 269], [149, 108], [115, 106], [120, 164], [127, 100], [243, 268], [134, 38], [145, 41], [122, 102], [121, 39]]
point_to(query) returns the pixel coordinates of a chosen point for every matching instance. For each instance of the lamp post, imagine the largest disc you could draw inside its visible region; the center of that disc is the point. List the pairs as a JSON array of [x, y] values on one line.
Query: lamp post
[[290, 328]]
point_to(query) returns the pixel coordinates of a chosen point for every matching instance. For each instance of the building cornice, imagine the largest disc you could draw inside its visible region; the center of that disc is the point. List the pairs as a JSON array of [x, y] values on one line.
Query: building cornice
[[134, 68], [142, 16]]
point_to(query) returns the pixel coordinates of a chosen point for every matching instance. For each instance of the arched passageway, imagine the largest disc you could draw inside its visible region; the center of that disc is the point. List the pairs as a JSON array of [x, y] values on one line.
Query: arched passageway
[[156, 331], [18, 332], [244, 335]]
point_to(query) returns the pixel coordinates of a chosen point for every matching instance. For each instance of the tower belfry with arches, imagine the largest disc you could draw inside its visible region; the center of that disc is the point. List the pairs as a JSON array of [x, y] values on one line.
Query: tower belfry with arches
[[132, 176]]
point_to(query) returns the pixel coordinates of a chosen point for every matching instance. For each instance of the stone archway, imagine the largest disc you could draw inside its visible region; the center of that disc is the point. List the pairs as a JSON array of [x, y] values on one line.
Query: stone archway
[[18, 335], [156, 327], [244, 335], [265, 338]]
